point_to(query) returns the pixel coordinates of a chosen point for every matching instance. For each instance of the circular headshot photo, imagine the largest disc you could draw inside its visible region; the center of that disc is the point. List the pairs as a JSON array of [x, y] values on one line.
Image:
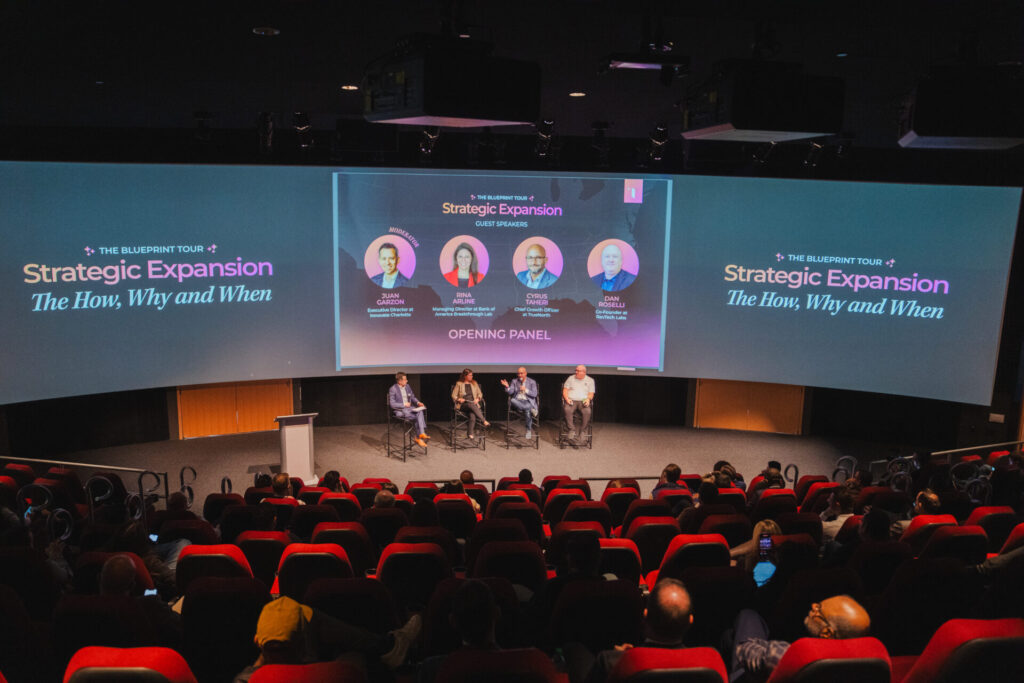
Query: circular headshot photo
[[390, 261], [537, 262], [464, 261], [613, 265]]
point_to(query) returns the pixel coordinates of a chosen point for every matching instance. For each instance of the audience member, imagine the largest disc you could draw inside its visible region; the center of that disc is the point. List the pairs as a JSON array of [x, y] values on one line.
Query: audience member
[[754, 654], [667, 618], [669, 480], [525, 476], [384, 499], [840, 509], [925, 503], [730, 471], [117, 577], [466, 477], [332, 482], [747, 554], [282, 486], [292, 633], [773, 479]]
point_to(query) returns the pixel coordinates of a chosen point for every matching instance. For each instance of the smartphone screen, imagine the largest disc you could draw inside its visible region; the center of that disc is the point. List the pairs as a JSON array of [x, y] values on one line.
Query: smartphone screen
[[764, 546]]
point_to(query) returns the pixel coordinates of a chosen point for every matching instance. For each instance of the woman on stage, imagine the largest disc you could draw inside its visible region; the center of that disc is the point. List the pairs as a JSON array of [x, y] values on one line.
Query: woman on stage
[[465, 269], [467, 397]]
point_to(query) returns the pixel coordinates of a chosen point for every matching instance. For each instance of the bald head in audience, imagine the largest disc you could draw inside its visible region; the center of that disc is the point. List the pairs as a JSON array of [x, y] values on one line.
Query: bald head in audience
[[837, 617], [669, 612]]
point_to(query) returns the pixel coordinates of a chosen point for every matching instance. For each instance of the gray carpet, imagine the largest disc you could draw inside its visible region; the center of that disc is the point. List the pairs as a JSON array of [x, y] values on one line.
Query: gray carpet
[[619, 450]]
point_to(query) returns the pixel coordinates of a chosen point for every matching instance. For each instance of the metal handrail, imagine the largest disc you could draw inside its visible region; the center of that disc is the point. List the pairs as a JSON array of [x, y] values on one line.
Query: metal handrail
[[74, 464], [977, 448]]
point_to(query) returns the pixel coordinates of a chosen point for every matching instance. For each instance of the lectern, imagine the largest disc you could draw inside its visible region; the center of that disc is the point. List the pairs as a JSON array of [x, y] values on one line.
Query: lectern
[[297, 446]]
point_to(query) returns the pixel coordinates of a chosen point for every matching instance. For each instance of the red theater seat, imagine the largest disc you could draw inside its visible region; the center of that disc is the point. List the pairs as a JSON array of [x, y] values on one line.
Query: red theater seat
[[499, 498], [302, 563], [318, 672], [818, 660], [691, 550], [310, 495], [590, 511], [557, 502], [922, 527], [621, 558], [143, 664], [263, 550], [967, 651], [657, 665], [804, 484], [473, 666], [222, 560], [997, 521], [411, 571], [521, 562], [816, 498], [618, 501], [966, 543], [345, 504]]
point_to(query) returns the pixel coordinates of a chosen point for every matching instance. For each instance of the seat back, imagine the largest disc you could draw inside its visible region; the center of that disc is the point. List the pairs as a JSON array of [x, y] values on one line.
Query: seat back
[[652, 536], [621, 557], [411, 571], [669, 665], [501, 666], [820, 660], [345, 504], [590, 511], [455, 513], [305, 518], [521, 562], [618, 502], [359, 601], [598, 614], [302, 563], [213, 506], [967, 543], [218, 618], [972, 651], [97, 664], [557, 502], [220, 560], [263, 550], [529, 515]]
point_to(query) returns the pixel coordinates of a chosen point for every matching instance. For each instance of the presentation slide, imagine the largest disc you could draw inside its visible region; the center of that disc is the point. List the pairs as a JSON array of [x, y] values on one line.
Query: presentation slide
[[490, 269], [121, 276], [884, 287]]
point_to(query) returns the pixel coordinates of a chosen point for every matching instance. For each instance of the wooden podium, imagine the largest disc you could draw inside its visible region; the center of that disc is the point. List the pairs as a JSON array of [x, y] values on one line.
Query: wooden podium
[[297, 446]]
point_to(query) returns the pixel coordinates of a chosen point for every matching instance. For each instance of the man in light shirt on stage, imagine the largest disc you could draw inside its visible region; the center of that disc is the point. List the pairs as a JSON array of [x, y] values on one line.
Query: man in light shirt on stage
[[536, 275], [577, 393]]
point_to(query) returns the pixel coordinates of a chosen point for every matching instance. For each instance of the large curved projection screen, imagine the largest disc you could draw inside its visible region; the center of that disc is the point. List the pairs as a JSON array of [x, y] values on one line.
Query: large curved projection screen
[[129, 276]]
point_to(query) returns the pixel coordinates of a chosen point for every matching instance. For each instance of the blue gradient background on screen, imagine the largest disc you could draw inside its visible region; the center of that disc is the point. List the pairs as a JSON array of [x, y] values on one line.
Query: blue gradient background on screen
[[50, 212], [960, 234]]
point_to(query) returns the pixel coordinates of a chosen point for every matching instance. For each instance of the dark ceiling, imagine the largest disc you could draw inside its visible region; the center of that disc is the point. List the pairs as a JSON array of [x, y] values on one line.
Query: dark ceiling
[[123, 64]]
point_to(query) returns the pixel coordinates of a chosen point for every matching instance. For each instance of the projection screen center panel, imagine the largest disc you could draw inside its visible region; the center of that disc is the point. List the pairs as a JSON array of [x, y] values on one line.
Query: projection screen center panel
[[476, 269]]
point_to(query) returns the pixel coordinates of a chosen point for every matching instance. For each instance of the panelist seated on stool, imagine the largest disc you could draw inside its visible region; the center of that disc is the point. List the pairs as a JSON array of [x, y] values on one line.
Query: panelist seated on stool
[[407, 407], [523, 395], [468, 399], [577, 397]]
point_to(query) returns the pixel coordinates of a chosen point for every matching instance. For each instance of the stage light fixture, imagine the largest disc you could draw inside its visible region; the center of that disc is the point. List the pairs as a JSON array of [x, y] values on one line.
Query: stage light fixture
[[428, 142], [813, 155], [303, 129], [658, 141], [764, 152], [545, 130]]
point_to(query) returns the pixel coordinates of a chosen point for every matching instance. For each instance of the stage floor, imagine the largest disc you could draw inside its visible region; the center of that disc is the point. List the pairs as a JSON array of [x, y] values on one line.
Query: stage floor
[[619, 450]]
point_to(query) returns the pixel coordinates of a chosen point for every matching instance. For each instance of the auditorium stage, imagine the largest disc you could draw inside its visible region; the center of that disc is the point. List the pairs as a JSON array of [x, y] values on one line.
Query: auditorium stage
[[620, 450]]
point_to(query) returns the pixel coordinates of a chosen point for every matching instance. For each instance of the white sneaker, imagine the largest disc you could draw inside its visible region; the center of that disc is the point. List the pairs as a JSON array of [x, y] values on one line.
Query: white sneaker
[[404, 638], [529, 435]]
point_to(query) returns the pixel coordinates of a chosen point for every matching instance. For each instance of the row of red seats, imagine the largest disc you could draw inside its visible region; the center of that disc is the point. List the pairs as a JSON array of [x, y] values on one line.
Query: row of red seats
[[960, 650]]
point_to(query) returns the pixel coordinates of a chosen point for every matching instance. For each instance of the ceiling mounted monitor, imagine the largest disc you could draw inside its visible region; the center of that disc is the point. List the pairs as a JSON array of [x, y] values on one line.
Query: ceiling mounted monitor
[[435, 81], [965, 108], [753, 101]]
